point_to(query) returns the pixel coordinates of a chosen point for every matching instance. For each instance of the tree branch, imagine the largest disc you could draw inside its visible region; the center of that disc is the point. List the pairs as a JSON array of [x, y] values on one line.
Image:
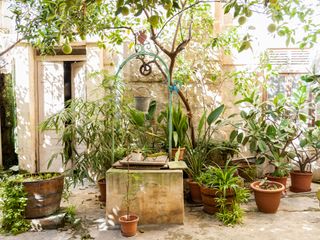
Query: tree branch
[[10, 47], [183, 10]]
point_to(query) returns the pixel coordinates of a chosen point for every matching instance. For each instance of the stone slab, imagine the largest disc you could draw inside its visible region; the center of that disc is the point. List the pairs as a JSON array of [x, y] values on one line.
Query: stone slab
[[158, 198]]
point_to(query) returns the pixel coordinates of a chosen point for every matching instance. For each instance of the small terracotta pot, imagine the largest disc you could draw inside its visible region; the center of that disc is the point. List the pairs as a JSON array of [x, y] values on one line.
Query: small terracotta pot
[[195, 191], [282, 180], [102, 188], [267, 201], [175, 150], [300, 181], [129, 225]]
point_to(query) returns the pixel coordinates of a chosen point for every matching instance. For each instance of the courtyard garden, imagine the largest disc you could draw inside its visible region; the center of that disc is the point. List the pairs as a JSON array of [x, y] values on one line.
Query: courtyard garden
[[163, 119]]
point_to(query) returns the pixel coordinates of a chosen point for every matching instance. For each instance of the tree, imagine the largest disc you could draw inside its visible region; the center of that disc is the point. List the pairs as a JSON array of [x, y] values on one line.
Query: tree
[[46, 23]]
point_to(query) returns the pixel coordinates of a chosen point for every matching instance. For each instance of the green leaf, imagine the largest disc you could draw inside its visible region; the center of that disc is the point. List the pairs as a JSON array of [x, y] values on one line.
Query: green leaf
[[215, 114], [201, 122], [262, 145], [175, 138], [137, 117], [240, 137], [271, 131], [303, 117], [233, 135], [152, 109], [253, 146], [245, 140], [303, 142]]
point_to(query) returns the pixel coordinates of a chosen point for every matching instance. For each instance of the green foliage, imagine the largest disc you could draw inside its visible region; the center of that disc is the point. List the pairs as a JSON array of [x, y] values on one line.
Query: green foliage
[[133, 181], [226, 182], [70, 214], [91, 125], [146, 133], [8, 120], [179, 125], [12, 205], [195, 160]]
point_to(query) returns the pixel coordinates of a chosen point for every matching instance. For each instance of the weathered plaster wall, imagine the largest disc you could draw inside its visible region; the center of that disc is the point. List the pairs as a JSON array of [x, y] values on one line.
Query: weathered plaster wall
[[157, 199], [25, 99]]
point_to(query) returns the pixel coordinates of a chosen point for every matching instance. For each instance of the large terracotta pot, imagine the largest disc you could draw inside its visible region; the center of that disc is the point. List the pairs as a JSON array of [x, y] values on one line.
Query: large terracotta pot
[[267, 200], [208, 196], [102, 188], [195, 191], [43, 196], [282, 180], [175, 150], [129, 225], [300, 181]]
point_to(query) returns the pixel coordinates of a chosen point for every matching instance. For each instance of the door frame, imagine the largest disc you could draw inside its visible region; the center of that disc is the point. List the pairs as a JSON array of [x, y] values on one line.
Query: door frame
[[39, 59]]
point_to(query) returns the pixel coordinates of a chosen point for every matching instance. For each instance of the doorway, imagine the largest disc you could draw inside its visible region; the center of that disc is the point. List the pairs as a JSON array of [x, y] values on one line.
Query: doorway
[[8, 120], [59, 81]]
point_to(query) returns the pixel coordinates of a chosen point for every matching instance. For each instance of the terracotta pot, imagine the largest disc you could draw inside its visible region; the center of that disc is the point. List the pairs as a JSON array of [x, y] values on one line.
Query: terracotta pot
[[208, 199], [208, 196], [195, 191], [282, 180], [43, 196], [102, 188], [300, 181], [129, 225], [175, 150], [267, 201]]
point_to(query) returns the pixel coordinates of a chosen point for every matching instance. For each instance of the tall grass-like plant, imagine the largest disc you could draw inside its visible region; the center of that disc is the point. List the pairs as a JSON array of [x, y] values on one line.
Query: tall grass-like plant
[[89, 130]]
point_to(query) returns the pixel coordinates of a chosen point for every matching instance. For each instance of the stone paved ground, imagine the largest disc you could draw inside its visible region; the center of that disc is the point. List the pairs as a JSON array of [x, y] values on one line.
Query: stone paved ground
[[298, 218]]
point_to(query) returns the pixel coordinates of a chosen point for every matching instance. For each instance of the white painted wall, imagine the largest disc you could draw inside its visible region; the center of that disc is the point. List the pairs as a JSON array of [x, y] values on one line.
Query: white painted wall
[[25, 99]]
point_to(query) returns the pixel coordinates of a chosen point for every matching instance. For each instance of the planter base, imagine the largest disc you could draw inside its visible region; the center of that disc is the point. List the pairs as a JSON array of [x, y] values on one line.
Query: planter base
[[296, 190]]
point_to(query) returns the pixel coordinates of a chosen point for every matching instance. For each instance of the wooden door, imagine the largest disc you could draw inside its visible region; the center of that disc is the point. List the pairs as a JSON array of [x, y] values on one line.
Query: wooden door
[[51, 101]]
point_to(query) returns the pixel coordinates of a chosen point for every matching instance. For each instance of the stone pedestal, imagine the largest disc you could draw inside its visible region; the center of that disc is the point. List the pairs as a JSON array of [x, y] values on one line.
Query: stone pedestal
[[158, 195]]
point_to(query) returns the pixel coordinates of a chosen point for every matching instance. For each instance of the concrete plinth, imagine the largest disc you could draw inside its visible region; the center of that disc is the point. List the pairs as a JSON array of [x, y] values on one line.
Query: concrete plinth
[[158, 198]]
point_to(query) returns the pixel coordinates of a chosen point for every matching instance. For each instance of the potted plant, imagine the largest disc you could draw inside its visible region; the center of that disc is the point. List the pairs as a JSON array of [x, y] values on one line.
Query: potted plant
[[306, 152], [179, 130], [222, 193], [267, 195], [198, 156], [195, 160], [129, 221], [89, 133], [269, 128]]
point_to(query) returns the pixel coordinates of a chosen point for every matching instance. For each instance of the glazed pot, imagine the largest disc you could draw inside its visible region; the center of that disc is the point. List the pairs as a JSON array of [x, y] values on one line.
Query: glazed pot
[[181, 154], [300, 181], [102, 188], [267, 200], [129, 225], [282, 180], [195, 191]]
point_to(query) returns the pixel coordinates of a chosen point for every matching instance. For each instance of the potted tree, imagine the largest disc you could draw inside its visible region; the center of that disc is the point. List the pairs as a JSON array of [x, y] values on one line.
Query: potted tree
[[306, 152], [269, 128], [129, 221], [267, 195]]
